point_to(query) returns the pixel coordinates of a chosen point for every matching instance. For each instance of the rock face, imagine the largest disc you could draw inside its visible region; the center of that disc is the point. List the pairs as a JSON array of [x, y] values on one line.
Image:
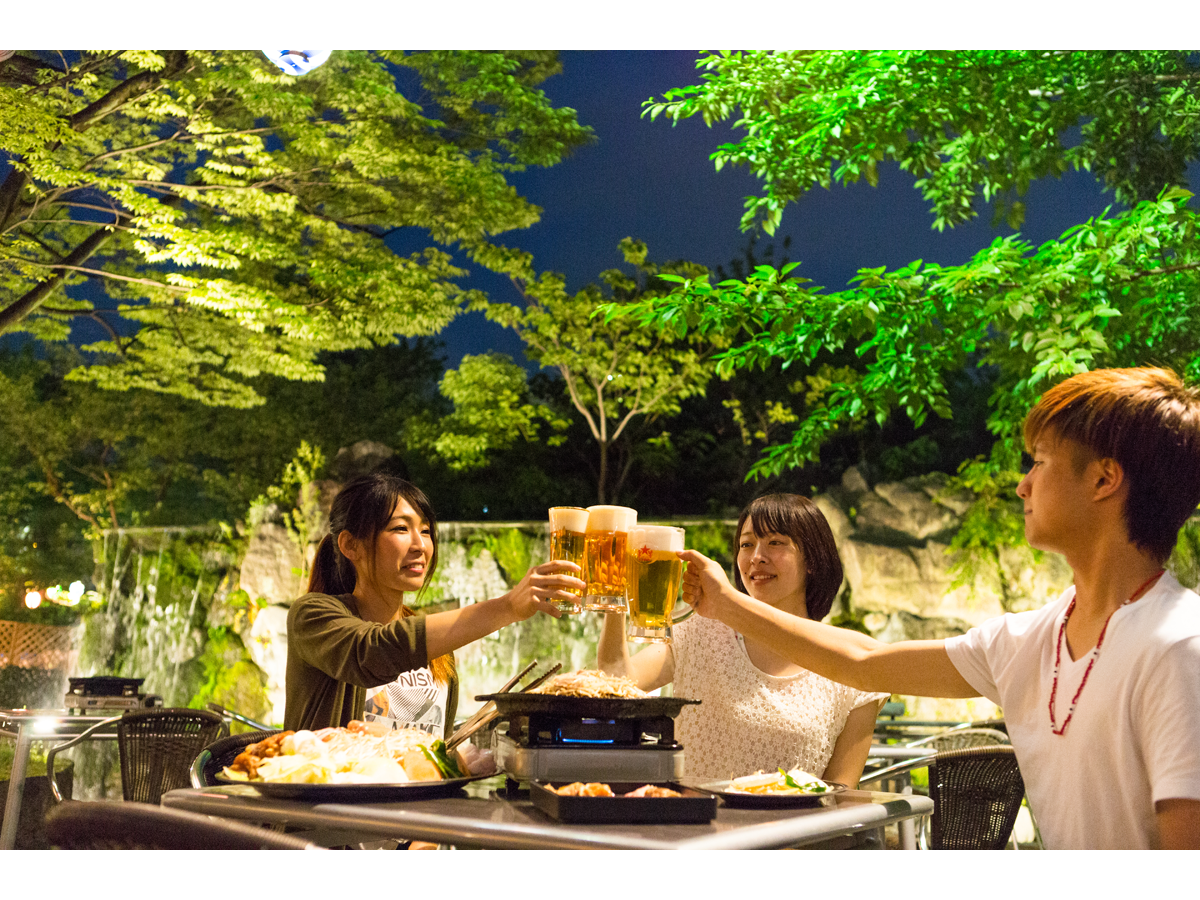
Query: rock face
[[273, 565], [894, 542]]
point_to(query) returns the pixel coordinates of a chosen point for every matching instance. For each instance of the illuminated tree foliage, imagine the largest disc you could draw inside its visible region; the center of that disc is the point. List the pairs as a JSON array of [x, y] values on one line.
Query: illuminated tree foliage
[[1121, 289], [614, 373], [232, 221]]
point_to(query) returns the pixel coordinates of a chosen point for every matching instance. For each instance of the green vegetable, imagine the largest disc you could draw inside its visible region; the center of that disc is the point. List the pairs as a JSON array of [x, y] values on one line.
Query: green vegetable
[[812, 787], [447, 765]]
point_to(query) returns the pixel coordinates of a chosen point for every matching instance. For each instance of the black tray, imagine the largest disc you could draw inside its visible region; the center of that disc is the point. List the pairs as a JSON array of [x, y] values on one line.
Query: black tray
[[769, 801], [357, 793], [518, 704], [693, 808]]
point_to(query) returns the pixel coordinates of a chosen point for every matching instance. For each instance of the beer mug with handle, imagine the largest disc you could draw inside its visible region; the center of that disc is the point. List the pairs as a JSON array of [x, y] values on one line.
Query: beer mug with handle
[[655, 578]]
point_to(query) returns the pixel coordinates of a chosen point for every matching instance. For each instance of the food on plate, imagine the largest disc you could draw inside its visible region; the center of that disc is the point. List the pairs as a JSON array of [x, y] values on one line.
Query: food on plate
[[356, 754], [590, 683], [596, 789], [778, 783]]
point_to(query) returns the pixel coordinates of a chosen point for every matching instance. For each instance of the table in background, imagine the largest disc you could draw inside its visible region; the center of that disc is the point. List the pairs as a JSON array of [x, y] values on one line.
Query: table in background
[[482, 818], [27, 726]]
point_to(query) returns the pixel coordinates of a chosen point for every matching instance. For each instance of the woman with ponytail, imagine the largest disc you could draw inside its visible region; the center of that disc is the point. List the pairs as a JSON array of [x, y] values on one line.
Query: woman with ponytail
[[355, 650]]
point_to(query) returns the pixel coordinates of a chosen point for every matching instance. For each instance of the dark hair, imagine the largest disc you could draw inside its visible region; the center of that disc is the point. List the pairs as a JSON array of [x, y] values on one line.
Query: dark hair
[[801, 520], [363, 507], [1149, 422]]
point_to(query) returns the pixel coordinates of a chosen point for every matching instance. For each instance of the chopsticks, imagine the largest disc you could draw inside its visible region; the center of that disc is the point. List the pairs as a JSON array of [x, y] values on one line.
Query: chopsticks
[[488, 712]]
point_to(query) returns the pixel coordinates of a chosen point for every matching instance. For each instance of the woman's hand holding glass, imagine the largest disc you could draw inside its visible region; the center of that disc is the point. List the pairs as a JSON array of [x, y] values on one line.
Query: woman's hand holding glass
[[705, 584], [542, 585]]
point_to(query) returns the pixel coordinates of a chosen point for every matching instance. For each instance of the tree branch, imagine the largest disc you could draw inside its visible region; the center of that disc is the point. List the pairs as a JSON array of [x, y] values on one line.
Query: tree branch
[[32, 299]]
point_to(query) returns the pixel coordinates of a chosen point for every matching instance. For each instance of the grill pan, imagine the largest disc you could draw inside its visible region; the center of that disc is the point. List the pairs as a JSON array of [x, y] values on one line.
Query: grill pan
[[517, 704]]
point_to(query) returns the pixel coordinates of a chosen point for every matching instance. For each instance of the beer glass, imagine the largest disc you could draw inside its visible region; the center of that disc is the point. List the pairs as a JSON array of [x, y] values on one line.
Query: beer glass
[[606, 546], [655, 575], [568, 525]]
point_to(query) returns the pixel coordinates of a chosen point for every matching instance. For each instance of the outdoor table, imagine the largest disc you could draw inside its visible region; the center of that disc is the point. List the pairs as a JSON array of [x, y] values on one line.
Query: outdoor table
[[27, 726], [490, 817]]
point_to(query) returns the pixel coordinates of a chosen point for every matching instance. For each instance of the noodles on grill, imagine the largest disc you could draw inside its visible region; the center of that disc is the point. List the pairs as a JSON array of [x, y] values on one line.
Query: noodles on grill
[[590, 683]]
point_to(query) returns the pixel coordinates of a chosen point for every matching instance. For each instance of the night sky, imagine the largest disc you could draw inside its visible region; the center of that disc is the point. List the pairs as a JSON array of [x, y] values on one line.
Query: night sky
[[655, 182]]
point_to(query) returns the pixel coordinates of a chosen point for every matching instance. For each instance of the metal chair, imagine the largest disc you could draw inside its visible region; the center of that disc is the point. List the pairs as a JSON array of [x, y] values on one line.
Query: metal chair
[[214, 757], [112, 825], [157, 747], [976, 792]]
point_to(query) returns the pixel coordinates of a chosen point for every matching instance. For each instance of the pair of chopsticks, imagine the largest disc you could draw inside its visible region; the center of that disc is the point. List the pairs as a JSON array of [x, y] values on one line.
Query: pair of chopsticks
[[488, 712]]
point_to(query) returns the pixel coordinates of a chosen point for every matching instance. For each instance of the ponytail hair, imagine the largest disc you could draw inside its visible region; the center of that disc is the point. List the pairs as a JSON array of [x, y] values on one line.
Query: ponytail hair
[[363, 507]]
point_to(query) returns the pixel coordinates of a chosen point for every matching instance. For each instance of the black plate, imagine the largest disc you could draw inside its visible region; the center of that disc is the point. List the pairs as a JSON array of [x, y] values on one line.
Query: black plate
[[694, 807], [518, 704], [769, 801], [357, 793]]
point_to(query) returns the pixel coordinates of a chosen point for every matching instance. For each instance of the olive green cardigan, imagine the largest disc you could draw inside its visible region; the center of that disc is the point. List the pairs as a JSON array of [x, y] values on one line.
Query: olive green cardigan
[[334, 656]]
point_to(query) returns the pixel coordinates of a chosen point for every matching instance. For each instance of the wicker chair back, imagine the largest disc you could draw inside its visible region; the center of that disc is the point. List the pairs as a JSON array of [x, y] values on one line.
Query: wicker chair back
[[977, 794], [157, 747]]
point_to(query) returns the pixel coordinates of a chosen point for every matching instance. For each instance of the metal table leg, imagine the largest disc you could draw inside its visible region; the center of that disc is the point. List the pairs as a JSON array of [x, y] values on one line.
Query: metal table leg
[[908, 835], [16, 786]]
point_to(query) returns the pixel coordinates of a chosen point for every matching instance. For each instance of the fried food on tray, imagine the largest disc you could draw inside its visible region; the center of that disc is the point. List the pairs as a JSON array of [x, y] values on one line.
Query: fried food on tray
[[356, 754], [653, 790], [590, 683], [579, 789], [596, 789]]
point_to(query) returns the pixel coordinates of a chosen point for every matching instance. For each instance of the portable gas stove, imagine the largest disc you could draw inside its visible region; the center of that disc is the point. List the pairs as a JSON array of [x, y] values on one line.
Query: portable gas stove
[[107, 692], [545, 737]]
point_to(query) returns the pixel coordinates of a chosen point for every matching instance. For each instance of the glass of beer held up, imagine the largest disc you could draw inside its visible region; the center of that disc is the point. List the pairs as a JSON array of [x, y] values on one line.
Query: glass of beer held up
[[655, 574], [606, 544], [568, 525]]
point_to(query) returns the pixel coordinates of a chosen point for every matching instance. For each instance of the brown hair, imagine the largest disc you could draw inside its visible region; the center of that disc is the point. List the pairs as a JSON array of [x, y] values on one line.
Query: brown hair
[[363, 507], [1149, 422], [801, 520]]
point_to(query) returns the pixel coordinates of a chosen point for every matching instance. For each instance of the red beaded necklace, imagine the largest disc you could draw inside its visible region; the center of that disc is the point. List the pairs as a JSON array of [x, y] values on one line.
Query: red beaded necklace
[[1095, 653]]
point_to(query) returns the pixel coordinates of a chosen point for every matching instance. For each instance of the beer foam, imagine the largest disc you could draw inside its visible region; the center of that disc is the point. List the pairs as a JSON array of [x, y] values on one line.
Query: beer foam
[[572, 518], [656, 537], [611, 518]]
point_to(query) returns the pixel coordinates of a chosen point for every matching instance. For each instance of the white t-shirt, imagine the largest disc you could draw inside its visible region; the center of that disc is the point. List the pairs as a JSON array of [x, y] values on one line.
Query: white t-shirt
[[748, 720], [1135, 736], [414, 700]]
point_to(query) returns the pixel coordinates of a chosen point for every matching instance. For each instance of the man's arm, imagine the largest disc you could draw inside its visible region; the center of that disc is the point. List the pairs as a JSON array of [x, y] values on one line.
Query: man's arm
[[922, 668], [1178, 823]]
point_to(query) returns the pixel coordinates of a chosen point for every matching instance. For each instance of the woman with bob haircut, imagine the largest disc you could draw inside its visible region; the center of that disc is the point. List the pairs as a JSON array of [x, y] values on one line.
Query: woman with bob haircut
[[1100, 686], [355, 650], [759, 711]]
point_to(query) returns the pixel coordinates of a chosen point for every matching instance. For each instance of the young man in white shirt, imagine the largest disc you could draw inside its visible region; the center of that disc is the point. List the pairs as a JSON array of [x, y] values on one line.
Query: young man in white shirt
[[1100, 688]]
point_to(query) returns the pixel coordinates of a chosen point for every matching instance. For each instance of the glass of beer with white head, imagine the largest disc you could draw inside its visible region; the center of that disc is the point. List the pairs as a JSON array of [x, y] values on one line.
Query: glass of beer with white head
[[606, 544], [655, 574], [568, 525]]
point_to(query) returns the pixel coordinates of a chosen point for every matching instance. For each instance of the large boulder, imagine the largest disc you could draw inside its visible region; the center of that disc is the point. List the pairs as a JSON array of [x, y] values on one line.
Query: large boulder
[[273, 566]]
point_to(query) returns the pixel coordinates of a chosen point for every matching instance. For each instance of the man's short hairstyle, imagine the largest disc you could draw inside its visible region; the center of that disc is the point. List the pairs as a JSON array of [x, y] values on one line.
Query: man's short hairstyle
[[1149, 422], [801, 520]]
